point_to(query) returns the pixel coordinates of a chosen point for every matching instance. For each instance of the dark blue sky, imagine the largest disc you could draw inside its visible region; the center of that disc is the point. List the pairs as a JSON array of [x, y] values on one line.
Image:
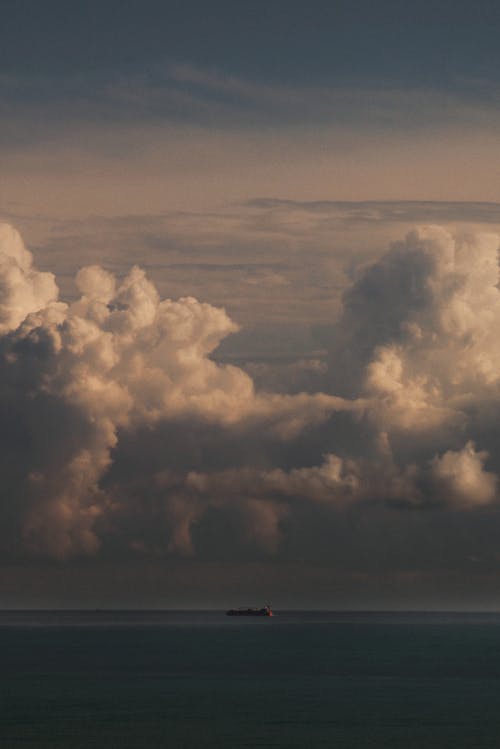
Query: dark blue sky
[[413, 43]]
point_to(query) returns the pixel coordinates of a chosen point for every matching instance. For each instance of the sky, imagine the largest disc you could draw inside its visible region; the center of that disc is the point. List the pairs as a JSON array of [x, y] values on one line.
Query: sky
[[249, 304]]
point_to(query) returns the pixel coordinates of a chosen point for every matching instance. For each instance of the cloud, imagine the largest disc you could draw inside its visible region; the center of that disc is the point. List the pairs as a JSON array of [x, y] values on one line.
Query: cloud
[[461, 477], [121, 432], [278, 267], [455, 479], [426, 310], [373, 212], [417, 345], [118, 358], [184, 93], [417, 339], [22, 289]]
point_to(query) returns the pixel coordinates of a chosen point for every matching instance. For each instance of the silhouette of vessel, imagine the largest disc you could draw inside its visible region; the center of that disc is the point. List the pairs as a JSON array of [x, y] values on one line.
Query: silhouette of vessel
[[264, 611]]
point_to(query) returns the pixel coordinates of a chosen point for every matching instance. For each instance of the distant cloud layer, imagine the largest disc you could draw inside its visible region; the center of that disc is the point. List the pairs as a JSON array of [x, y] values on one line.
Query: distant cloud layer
[[121, 433]]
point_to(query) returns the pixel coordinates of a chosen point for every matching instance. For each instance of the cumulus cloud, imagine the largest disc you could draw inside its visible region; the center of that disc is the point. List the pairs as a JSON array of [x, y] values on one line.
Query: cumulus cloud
[[461, 477], [119, 429], [418, 332], [22, 288], [118, 358]]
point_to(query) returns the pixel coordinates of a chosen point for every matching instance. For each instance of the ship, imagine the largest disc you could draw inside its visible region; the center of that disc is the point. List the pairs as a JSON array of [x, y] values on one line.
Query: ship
[[243, 611]]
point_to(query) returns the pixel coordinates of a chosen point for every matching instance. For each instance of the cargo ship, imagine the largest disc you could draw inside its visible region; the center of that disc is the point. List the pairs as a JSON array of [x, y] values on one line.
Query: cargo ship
[[265, 611]]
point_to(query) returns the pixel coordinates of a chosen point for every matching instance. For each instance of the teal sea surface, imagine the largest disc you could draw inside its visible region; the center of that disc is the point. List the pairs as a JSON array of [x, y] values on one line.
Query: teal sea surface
[[194, 680]]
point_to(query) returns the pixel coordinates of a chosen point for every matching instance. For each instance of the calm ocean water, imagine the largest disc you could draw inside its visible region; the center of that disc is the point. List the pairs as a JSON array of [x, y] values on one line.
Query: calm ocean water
[[190, 680]]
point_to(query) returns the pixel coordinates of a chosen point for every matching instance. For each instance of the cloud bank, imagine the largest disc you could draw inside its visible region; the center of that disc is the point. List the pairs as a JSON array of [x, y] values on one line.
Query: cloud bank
[[120, 433]]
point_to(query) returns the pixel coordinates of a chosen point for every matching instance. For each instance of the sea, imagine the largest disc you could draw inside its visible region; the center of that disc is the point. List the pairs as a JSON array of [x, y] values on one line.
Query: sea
[[199, 680]]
